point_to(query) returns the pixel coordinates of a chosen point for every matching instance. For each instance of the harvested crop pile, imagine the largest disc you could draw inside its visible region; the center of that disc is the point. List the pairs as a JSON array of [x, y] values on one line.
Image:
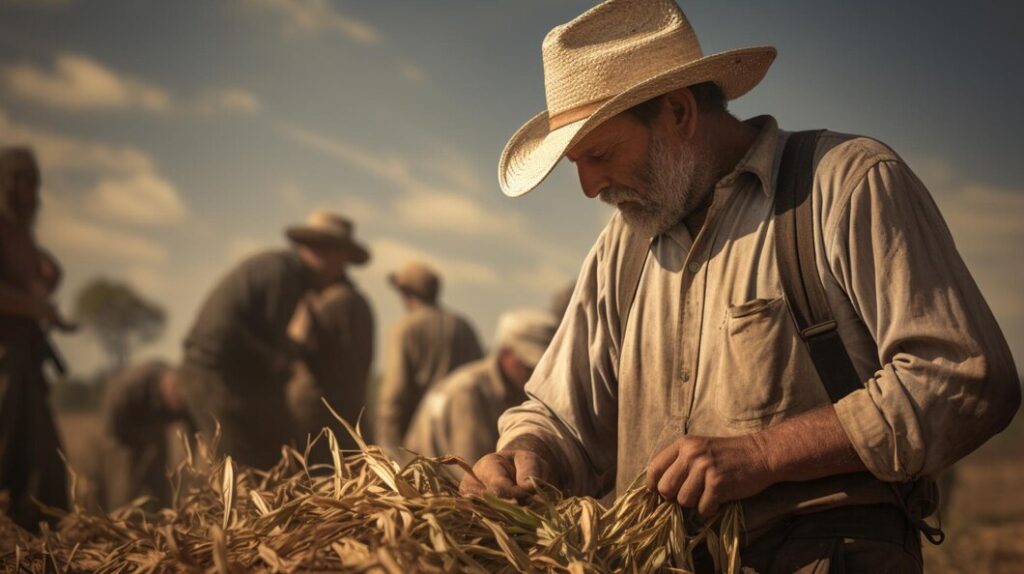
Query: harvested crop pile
[[366, 513]]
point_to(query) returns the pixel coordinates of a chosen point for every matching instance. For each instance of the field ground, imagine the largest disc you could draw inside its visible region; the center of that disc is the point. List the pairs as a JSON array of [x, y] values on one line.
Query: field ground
[[984, 525]]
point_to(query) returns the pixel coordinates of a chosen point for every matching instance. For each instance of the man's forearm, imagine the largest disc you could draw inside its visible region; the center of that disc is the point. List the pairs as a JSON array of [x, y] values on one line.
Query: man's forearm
[[809, 446]]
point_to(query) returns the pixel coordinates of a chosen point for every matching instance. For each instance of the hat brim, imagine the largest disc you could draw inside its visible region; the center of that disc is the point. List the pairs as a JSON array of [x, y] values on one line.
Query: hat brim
[[535, 149], [357, 254]]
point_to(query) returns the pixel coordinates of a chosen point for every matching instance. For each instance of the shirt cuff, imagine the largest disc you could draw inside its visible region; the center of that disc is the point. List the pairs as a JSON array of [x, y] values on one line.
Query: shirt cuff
[[871, 436]]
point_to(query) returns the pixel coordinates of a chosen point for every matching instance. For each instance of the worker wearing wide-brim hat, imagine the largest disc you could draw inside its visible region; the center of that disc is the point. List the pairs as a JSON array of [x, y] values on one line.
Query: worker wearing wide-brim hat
[[239, 354], [685, 355], [427, 343]]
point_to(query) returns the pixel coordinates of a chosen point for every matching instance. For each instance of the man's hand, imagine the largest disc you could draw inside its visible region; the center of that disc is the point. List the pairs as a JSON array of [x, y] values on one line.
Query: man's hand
[[510, 472], [704, 473], [49, 317]]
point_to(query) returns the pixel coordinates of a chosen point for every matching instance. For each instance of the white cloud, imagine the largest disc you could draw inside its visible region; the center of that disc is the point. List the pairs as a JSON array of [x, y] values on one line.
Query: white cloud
[[458, 214], [118, 183], [304, 17], [79, 83], [391, 169], [144, 198], [450, 206], [63, 154], [230, 100], [64, 231]]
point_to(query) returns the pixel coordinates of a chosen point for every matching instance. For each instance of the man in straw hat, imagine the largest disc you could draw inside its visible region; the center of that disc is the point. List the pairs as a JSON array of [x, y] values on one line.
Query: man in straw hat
[[681, 359], [427, 344], [239, 356], [459, 415], [31, 470]]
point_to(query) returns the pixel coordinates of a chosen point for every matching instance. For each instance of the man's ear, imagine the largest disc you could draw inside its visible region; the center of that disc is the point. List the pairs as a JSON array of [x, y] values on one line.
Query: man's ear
[[685, 114]]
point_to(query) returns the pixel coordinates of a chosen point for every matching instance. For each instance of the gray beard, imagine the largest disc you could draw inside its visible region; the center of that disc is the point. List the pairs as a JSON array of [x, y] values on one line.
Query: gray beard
[[677, 185]]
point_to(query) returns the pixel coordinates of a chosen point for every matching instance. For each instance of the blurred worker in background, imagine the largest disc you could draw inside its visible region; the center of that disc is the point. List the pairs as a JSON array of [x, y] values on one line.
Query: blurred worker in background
[[426, 345], [30, 466], [141, 405], [239, 356], [335, 329], [459, 415]]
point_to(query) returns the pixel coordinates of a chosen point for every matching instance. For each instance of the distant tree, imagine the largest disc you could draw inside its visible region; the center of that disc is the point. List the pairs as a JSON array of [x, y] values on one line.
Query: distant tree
[[119, 318]]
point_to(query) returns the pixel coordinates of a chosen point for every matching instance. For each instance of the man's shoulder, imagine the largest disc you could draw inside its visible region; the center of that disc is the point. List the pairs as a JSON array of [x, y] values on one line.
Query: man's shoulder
[[842, 160], [272, 259], [265, 265]]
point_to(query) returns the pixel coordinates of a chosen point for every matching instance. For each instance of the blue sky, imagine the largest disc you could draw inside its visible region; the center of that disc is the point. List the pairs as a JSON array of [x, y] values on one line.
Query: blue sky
[[176, 137]]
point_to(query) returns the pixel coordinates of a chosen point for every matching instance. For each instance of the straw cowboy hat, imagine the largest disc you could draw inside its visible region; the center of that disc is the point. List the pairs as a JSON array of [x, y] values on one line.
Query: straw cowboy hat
[[323, 227], [611, 58], [417, 279]]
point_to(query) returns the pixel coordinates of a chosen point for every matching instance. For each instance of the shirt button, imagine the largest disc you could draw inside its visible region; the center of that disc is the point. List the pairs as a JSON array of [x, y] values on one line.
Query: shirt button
[[694, 266], [684, 375]]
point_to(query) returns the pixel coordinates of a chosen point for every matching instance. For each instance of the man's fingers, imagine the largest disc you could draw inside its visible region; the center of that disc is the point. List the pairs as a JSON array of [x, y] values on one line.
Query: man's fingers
[[690, 492], [527, 467], [673, 477], [494, 473], [659, 464], [710, 499]]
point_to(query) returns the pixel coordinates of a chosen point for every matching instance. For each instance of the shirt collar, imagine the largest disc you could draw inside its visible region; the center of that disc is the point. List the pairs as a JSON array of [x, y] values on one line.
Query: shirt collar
[[761, 159]]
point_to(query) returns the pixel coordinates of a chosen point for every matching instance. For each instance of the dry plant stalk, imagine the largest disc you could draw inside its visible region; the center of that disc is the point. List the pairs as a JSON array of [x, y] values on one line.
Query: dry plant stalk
[[363, 512]]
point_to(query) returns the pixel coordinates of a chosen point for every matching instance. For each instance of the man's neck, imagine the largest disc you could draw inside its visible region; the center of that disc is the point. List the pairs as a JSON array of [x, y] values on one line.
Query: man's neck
[[731, 139]]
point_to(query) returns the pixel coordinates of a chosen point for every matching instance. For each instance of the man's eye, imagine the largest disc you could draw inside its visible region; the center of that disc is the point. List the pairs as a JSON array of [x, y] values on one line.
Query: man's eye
[[599, 156]]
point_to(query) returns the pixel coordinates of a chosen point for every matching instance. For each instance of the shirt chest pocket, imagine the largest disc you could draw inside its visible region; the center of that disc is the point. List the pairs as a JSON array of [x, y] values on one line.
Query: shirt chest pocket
[[763, 372]]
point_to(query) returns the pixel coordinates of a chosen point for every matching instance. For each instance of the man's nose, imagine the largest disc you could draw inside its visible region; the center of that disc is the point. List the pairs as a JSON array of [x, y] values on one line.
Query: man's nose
[[591, 180]]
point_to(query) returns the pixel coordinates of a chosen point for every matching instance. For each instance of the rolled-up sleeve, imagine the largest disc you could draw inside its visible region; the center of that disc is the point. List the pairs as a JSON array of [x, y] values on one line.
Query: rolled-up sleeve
[[572, 396], [947, 381]]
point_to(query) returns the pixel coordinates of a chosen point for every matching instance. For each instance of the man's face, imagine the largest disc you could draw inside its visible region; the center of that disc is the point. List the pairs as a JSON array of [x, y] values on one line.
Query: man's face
[[20, 188], [516, 371], [329, 261], [650, 174]]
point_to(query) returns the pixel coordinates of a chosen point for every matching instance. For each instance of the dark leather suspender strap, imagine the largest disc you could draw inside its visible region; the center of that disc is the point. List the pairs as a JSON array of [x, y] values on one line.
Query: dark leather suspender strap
[[798, 269]]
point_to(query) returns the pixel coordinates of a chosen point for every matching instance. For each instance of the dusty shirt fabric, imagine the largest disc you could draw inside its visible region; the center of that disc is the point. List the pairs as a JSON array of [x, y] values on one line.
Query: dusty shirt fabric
[[243, 323], [710, 349], [339, 368], [429, 343], [459, 415]]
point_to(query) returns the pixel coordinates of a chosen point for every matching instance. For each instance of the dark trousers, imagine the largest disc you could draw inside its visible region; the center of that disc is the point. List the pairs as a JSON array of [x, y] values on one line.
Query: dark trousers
[[30, 466], [852, 540]]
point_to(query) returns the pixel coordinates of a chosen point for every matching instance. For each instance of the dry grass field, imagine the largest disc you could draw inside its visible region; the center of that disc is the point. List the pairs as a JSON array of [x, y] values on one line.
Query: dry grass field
[[984, 523]]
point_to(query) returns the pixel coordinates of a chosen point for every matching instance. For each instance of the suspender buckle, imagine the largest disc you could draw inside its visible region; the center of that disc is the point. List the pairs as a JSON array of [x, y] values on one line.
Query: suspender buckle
[[815, 331]]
